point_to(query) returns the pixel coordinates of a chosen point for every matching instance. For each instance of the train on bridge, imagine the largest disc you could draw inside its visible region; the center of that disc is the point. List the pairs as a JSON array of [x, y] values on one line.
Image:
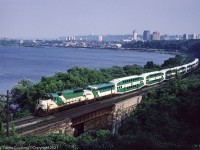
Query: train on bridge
[[50, 103]]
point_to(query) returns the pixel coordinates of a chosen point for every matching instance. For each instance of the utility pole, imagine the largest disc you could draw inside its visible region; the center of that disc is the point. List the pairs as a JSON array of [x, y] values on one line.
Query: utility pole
[[7, 114], [6, 110]]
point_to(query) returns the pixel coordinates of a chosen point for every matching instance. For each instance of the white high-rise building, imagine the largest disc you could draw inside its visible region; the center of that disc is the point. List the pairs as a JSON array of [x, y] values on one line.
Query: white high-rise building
[[134, 35], [100, 38]]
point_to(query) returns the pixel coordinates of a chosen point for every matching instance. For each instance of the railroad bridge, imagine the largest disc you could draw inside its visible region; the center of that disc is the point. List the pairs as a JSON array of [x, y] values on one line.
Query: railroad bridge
[[105, 114], [106, 118]]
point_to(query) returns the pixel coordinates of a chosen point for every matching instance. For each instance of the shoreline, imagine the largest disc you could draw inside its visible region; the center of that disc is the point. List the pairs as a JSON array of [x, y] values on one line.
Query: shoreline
[[161, 51]]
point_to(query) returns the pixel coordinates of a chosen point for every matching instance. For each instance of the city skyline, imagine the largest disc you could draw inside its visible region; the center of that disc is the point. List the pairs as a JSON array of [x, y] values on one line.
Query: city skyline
[[51, 19]]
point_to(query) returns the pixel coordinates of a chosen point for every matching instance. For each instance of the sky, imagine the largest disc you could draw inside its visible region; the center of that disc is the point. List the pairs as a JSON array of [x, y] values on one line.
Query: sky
[[55, 18]]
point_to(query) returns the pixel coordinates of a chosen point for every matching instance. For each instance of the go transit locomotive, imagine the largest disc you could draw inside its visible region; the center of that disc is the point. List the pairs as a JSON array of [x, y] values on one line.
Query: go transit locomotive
[[52, 102]]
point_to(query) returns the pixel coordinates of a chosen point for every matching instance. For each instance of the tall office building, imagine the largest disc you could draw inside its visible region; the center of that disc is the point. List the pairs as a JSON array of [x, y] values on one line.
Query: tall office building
[[146, 35], [185, 36], [156, 36], [134, 35]]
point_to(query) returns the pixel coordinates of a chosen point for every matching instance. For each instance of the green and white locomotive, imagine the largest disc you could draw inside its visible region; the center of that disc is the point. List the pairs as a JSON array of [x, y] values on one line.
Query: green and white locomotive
[[52, 102]]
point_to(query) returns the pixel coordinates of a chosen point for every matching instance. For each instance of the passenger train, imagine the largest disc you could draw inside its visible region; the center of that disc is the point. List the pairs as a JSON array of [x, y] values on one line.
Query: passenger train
[[52, 102]]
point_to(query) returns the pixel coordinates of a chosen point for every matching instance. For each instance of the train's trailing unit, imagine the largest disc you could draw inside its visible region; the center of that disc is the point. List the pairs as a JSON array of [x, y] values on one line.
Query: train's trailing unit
[[52, 102]]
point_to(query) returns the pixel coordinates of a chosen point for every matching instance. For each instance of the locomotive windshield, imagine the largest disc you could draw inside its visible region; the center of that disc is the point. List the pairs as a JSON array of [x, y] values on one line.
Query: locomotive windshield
[[46, 96], [88, 88]]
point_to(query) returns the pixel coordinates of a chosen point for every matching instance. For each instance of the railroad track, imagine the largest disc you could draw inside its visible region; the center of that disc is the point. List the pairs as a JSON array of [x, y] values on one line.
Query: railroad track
[[25, 120]]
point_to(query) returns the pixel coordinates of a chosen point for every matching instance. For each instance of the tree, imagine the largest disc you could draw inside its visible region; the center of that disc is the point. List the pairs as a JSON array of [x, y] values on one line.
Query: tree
[[173, 62], [132, 70], [151, 65], [2, 130], [19, 92], [13, 130], [97, 140]]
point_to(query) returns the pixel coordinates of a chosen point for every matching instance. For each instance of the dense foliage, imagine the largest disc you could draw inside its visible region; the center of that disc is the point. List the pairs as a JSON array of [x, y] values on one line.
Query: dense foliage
[[93, 140], [181, 45]]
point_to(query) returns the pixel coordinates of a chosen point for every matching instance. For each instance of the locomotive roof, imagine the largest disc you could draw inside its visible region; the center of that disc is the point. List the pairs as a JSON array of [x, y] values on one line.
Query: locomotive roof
[[73, 90]]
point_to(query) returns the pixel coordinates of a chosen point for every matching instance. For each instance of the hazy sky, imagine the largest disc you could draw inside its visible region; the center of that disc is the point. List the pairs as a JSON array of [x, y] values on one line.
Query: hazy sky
[[54, 18]]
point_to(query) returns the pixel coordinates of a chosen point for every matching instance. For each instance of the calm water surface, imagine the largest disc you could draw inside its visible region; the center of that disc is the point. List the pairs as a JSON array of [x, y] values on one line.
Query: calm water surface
[[33, 63]]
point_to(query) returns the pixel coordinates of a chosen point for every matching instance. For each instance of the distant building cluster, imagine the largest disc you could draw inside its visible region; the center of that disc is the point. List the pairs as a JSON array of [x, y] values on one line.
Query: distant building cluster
[[98, 41], [147, 36], [156, 36], [71, 38], [104, 41], [191, 36]]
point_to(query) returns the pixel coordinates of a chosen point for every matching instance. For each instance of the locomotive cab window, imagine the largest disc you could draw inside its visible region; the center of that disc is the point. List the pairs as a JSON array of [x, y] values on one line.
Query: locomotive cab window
[[44, 97]]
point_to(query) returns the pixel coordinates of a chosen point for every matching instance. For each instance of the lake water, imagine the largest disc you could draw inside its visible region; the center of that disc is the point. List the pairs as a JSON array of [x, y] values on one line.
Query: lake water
[[33, 63]]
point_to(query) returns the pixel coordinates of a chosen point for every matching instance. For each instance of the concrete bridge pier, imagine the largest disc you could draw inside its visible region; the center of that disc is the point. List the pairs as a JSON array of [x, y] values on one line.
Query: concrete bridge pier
[[123, 109]]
